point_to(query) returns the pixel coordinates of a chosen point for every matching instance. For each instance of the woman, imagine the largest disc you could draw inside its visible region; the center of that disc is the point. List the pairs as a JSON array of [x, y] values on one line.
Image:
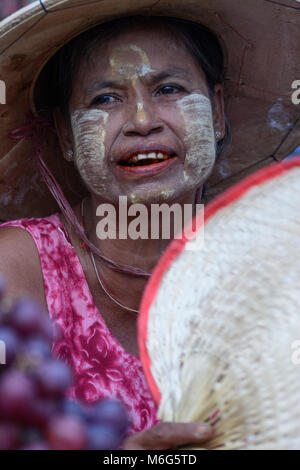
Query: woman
[[114, 93]]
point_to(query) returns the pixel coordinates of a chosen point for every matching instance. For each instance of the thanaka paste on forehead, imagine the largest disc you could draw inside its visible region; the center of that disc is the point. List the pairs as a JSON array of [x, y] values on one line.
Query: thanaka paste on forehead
[[119, 63], [199, 137], [130, 70]]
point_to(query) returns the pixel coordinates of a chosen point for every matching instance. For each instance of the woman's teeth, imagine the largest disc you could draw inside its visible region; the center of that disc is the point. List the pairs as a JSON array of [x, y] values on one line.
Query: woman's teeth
[[145, 159]]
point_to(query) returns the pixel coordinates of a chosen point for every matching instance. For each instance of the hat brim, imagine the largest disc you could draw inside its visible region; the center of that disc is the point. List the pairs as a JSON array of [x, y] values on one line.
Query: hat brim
[[261, 41]]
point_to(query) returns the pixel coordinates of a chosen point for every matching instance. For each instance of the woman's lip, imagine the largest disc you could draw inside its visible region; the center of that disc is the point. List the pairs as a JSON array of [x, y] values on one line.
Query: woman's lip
[[147, 170]]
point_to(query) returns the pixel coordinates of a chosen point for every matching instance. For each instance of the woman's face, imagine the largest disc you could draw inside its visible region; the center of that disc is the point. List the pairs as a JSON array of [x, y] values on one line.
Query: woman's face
[[142, 93]]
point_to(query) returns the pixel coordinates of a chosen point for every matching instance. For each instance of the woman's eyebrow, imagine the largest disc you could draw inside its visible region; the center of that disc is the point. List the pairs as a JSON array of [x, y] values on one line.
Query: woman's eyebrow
[[97, 85], [177, 72]]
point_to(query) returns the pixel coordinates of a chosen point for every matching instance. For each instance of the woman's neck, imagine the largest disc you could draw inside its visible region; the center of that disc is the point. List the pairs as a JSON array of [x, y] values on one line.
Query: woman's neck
[[141, 253]]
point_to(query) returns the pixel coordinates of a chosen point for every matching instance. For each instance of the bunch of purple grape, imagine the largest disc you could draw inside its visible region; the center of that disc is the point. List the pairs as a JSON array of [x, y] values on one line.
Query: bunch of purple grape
[[34, 413]]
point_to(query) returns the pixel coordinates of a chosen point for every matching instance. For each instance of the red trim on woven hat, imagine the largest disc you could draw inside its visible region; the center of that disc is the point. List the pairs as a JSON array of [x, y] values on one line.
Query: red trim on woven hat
[[177, 245]]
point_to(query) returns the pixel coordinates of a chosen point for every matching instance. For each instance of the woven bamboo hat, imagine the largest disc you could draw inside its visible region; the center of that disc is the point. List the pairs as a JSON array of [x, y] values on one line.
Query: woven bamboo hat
[[261, 67], [219, 327]]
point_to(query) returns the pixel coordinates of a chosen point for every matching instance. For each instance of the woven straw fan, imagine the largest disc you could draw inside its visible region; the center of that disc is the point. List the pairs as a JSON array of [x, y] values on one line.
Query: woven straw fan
[[219, 324]]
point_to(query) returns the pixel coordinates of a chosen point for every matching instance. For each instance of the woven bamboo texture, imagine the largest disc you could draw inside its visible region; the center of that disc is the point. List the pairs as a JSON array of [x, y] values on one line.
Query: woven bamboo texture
[[223, 325]]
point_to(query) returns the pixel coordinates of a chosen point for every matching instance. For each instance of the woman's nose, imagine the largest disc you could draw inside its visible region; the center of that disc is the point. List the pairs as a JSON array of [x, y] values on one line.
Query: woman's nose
[[142, 120]]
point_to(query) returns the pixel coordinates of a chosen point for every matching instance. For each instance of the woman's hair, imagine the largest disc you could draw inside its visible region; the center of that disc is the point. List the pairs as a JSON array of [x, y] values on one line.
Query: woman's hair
[[54, 86]]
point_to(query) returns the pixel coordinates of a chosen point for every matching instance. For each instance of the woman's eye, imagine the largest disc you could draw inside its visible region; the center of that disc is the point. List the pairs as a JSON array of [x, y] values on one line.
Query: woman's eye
[[170, 89], [104, 99], [111, 99]]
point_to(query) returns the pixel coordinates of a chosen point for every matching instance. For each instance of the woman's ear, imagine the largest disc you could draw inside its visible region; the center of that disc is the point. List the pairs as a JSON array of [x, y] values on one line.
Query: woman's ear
[[64, 133], [218, 111]]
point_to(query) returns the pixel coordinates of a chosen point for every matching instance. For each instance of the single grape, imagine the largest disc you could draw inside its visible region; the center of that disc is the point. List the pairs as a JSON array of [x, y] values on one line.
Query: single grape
[[26, 316], [39, 412], [30, 435], [66, 432], [11, 342], [73, 408], [9, 436], [36, 349], [16, 391], [53, 377], [103, 437], [109, 411], [48, 329]]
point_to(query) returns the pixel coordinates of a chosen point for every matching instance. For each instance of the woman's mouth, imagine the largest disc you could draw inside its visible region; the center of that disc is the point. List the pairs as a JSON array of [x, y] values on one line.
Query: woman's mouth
[[146, 163], [141, 159]]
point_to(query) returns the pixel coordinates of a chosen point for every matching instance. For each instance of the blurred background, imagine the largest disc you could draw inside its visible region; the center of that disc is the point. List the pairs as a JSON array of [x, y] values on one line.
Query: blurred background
[[7, 7]]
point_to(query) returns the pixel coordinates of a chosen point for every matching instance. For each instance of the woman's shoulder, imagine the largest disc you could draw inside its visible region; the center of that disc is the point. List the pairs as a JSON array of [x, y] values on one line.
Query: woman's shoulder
[[32, 224], [20, 263], [21, 239]]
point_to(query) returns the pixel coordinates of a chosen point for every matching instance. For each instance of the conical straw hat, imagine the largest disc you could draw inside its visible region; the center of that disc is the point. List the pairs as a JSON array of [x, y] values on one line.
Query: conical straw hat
[[219, 328], [261, 47]]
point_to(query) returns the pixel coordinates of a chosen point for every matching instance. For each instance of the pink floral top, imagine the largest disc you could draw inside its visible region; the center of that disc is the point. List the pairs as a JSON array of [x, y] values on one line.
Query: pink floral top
[[103, 368]]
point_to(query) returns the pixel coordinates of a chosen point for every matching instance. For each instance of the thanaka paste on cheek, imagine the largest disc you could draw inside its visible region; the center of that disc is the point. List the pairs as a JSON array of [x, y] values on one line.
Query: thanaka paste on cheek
[[89, 130], [199, 138]]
